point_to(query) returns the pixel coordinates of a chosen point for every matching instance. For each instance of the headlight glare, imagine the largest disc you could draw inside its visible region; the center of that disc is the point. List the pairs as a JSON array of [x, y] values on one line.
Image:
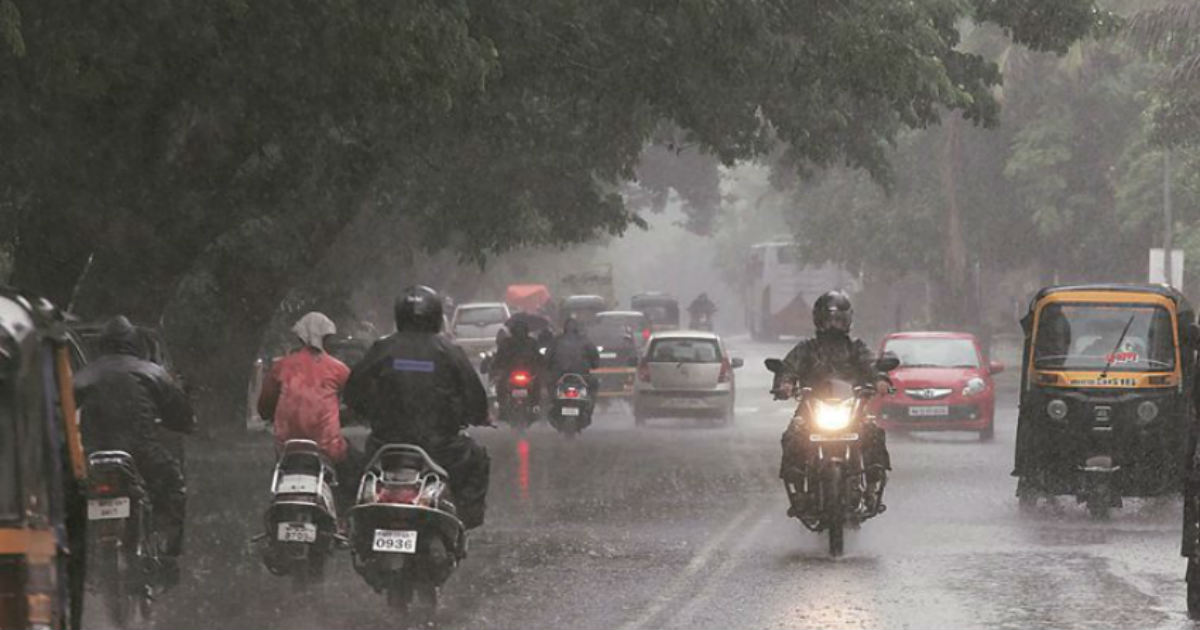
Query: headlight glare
[[1056, 409], [832, 417]]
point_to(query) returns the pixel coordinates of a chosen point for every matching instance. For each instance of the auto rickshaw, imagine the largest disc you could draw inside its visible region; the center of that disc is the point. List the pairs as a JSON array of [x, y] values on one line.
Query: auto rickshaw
[[583, 308], [1106, 385], [662, 309], [42, 468]]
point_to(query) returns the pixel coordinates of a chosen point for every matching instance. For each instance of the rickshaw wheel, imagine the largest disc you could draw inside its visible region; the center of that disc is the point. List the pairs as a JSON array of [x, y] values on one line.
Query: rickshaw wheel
[[1027, 499], [1193, 589]]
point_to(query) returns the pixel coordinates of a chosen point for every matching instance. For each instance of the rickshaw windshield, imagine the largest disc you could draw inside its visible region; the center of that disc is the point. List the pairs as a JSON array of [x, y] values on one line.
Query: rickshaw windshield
[[1086, 336]]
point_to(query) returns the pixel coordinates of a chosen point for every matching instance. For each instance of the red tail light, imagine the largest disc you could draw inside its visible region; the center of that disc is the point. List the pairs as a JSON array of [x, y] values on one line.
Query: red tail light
[[645, 334], [104, 488], [571, 393], [726, 370], [519, 378], [398, 494], [644, 372]]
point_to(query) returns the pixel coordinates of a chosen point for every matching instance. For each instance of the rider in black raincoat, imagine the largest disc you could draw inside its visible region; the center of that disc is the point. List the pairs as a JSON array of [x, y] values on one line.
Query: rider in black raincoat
[[415, 387]]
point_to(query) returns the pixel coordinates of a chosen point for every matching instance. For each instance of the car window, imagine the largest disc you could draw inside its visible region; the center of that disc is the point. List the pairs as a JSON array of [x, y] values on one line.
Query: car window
[[934, 352], [480, 316], [685, 351]]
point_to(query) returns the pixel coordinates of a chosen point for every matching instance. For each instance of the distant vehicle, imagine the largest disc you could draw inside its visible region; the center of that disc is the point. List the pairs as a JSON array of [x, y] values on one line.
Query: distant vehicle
[[779, 289], [301, 521], [596, 281], [582, 307], [662, 309], [529, 298], [620, 337], [475, 325], [942, 384], [685, 374]]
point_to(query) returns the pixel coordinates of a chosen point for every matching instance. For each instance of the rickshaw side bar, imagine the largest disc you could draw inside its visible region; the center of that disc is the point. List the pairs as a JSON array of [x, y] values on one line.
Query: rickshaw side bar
[[66, 397], [38, 544]]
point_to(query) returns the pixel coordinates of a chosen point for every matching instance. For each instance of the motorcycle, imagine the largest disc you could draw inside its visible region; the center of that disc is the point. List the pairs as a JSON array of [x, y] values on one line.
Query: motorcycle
[[572, 410], [702, 321], [123, 548], [834, 483], [517, 396], [405, 535], [301, 522]]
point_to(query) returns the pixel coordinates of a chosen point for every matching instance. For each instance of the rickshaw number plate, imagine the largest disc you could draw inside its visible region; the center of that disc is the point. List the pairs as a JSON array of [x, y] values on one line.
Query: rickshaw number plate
[[297, 484], [570, 411], [395, 541], [297, 532], [929, 410], [102, 509], [520, 393], [608, 355]]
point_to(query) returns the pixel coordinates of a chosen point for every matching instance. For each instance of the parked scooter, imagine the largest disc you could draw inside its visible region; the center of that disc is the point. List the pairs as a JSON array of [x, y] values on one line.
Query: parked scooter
[[572, 409], [405, 534], [123, 547], [301, 522]]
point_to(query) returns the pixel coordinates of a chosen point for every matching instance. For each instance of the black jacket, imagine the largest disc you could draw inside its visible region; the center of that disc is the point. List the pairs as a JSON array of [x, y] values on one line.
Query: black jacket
[[122, 397], [572, 353], [827, 356], [514, 352], [416, 388]]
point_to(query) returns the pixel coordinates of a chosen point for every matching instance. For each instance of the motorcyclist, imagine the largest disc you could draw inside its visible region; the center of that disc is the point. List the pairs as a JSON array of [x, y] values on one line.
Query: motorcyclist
[[831, 354], [415, 387], [300, 397], [518, 350], [123, 398], [573, 353], [701, 307]]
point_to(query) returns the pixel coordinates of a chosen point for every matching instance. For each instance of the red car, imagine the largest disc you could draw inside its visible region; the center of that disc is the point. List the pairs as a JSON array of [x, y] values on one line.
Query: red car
[[942, 384]]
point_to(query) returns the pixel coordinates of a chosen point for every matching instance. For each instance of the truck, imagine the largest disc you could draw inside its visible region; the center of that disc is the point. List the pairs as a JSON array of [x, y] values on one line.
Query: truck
[[780, 288]]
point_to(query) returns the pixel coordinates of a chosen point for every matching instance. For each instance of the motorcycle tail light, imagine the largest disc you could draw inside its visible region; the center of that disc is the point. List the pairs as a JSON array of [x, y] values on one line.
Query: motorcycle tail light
[[103, 488], [398, 494], [519, 378], [645, 334], [726, 370], [571, 393]]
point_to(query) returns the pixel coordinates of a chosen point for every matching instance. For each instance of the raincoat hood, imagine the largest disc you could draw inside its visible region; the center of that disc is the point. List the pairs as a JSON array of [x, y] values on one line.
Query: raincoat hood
[[313, 328], [120, 337]]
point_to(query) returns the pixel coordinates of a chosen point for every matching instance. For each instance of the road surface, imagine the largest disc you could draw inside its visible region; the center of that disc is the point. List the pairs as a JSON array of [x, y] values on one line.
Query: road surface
[[681, 525]]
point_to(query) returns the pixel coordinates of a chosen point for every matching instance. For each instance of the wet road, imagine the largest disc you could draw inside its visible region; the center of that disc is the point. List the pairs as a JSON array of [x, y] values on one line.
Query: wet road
[[681, 525]]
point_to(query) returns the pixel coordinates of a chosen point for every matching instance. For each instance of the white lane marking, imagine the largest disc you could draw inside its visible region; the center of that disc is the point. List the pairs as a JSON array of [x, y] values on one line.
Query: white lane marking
[[745, 409], [698, 562]]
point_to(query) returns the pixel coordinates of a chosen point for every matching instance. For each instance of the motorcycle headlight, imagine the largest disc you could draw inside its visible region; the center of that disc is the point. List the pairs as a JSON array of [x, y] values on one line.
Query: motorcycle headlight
[[974, 386], [832, 417], [1147, 411], [1056, 409]]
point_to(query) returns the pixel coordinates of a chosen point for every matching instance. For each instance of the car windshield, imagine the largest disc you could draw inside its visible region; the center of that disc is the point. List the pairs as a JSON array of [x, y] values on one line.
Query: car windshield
[[1086, 336], [478, 323], [660, 313], [934, 352], [685, 351]]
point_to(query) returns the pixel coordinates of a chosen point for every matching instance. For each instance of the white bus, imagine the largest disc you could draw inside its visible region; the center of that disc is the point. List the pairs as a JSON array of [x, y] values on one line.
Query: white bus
[[781, 289]]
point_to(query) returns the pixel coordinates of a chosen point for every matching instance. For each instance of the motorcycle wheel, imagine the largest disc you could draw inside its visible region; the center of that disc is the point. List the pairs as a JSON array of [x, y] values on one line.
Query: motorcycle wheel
[[426, 595], [834, 513], [1027, 498], [1098, 503], [118, 591], [1193, 589], [399, 595]]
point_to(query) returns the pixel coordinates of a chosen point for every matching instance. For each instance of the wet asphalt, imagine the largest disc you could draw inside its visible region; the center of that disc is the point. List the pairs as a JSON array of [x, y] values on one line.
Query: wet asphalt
[[681, 524]]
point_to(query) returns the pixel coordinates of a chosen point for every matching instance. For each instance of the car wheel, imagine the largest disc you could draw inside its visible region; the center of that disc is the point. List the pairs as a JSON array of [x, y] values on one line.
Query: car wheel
[[639, 415], [988, 433]]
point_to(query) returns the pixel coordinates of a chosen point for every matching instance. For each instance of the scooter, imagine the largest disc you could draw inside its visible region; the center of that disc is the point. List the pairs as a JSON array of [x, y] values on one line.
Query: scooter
[[572, 409], [301, 522], [406, 538], [123, 548], [517, 398]]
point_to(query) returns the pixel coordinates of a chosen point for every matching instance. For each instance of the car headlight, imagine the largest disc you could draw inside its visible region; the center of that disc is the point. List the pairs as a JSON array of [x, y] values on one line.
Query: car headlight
[[832, 417], [1056, 409], [1147, 411], [974, 386]]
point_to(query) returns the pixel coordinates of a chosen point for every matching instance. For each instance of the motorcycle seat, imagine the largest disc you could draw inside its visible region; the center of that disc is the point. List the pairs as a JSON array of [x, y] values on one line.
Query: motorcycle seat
[[395, 456]]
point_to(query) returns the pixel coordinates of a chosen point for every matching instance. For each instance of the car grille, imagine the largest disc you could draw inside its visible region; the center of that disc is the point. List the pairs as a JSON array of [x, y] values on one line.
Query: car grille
[[928, 393]]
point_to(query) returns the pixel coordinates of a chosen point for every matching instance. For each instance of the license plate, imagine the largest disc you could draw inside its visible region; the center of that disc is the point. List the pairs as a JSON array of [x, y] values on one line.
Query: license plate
[[608, 355], [928, 410], [101, 509], [685, 403], [844, 437], [297, 532], [520, 393], [395, 541], [570, 411], [298, 484]]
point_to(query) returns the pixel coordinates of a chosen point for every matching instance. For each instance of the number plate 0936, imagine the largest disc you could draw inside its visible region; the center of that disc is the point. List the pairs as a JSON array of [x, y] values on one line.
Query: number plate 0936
[[395, 541]]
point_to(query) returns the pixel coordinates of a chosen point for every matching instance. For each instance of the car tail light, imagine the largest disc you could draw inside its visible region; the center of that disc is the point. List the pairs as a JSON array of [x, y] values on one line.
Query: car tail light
[[643, 372], [645, 334], [519, 378], [398, 494], [726, 371]]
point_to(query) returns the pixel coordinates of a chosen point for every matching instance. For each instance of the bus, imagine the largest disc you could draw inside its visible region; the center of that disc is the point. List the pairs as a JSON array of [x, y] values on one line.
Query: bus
[[780, 289]]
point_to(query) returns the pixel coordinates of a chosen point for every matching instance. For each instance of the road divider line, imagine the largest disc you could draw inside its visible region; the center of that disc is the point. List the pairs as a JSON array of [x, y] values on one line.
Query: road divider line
[[698, 562]]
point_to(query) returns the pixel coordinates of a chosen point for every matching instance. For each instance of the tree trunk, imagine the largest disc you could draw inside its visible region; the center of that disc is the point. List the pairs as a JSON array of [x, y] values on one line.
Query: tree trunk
[[954, 251]]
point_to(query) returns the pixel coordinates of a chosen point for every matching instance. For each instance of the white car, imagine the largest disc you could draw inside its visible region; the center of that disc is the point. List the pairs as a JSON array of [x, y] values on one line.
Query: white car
[[475, 324], [685, 373]]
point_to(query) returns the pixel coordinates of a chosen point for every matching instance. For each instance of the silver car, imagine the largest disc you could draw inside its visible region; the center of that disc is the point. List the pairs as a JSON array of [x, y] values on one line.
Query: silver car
[[475, 325], [685, 373]]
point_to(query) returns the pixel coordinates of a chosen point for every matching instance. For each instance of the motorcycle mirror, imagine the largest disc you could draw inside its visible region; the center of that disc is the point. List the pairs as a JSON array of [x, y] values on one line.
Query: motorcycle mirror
[[774, 365], [887, 362]]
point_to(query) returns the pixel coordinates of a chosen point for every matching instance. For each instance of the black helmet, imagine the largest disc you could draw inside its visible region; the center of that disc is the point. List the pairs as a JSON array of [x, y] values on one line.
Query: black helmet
[[119, 336], [419, 309], [832, 311]]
